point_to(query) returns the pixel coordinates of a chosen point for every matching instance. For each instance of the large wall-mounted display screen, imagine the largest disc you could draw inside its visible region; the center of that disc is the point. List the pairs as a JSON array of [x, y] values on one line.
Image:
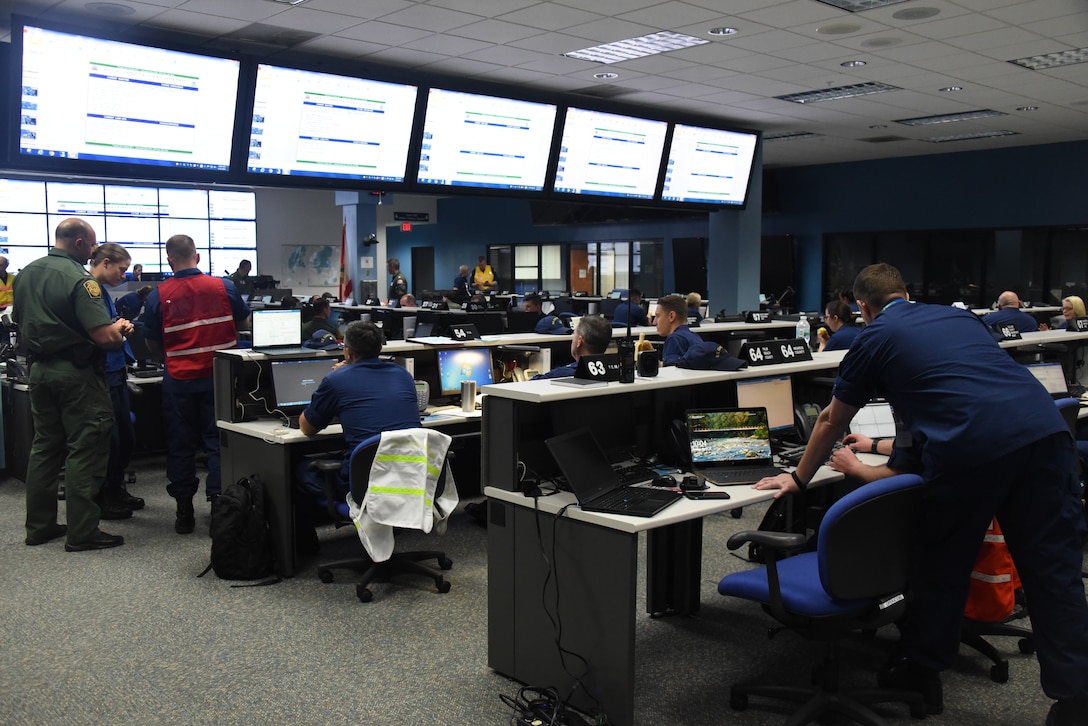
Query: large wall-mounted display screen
[[222, 223], [102, 100], [485, 141], [708, 165], [609, 155], [323, 125]]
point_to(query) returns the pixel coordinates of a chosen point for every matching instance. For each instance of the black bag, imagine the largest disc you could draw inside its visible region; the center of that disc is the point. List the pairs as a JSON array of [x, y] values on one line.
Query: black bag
[[241, 544], [786, 514]]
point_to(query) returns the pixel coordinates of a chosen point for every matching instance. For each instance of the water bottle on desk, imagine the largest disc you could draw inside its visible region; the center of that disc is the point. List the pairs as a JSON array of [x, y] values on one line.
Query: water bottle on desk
[[803, 331]]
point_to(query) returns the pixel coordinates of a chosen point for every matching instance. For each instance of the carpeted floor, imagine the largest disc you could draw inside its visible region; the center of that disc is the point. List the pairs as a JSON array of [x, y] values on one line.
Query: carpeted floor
[[131, 636]]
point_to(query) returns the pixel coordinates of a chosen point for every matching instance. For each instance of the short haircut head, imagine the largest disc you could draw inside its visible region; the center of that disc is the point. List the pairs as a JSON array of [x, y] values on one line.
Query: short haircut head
[[840, 310], [115, 253], [634, 292], [246, 264], [144, 291], [674, 304], [394, 263], [71, 229], [694, 299], [463, 269], [1008, 299], [364, 339], [321, 305], [877, 284], [596, 332], [181, 248], [534, 299]]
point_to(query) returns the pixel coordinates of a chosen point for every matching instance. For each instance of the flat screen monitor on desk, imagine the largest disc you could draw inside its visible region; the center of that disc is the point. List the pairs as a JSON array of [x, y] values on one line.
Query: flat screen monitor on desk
[[465, 364], [774, 393], [276, 328], [294, 381], [1052, 376]]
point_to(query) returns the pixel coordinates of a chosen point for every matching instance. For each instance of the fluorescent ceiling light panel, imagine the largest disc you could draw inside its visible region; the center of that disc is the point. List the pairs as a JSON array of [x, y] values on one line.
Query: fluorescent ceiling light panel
[[856, 6], [1053, 60], [640, 47], [965, 137], [948, 117], [790, 136], [832, 94]]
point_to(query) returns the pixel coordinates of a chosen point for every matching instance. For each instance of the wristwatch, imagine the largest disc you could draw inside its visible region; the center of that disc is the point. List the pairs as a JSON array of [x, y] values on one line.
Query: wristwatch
[[872, 449]]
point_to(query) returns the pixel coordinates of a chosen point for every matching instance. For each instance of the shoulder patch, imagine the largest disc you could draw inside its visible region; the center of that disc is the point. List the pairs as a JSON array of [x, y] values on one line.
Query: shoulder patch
[[93, 290]]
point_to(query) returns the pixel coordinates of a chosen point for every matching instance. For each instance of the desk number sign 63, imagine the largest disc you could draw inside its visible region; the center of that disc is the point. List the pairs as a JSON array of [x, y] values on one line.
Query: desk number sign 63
[[776, 351]]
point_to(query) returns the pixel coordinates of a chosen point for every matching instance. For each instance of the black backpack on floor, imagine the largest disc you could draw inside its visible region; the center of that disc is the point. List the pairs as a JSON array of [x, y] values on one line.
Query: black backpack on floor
[[241, 544]]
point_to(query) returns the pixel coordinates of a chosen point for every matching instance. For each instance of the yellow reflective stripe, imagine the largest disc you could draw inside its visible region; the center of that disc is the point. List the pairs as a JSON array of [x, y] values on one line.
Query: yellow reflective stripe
[[405, 458], [405, 491]]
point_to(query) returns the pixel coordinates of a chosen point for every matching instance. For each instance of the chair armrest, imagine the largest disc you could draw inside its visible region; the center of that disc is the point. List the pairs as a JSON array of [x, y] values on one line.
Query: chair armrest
[[777, 541], [329, 469]]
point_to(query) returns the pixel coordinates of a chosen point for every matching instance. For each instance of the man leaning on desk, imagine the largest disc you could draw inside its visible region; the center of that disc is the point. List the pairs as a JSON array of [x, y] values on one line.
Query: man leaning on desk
[[369, 396], [985, 449]]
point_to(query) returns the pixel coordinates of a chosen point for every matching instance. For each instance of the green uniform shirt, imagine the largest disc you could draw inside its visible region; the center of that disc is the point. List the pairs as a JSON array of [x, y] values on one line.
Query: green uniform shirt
[[56, 303], [308, 329], [242, 282]]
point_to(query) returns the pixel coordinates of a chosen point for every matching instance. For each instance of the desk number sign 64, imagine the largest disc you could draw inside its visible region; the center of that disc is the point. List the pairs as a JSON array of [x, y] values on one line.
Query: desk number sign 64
[[776, 351]]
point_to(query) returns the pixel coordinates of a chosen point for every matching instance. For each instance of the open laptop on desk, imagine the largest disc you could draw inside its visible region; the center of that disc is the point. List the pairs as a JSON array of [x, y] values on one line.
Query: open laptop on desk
[[730, 445], [1052, 376], [279, 332], [596, 485]]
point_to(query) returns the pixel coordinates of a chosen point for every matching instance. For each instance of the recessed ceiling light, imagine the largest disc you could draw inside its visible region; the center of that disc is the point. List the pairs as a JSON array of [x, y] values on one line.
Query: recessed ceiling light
[[852, 64], [606, 76], [831, 94], [965, 137], [915, 13], [881, 42], [789, 136], [950, 89], [639, 47], [1027, 108], [112, 9], [838, 29], [722, 31], [949, 117], [1053, 60], [856, 6]]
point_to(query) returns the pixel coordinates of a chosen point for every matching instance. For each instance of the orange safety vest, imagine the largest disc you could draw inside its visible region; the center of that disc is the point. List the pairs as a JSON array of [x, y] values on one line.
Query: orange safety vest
[[994, 580], [196, 321]]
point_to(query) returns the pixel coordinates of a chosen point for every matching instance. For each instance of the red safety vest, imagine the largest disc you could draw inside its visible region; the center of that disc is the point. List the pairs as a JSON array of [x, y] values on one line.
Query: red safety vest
[[994, 580], [196, 322]]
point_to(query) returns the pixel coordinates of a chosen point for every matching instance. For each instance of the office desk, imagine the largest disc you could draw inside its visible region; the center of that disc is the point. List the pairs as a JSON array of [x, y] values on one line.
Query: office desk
[[271, 451], [594, 579], [1046, 336]]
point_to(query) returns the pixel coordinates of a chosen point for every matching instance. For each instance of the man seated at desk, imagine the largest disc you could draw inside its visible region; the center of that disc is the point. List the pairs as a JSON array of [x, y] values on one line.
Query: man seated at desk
[[368, 395], [320, 321], [591, 337], [548, 324], [671, 319], [1008, 311], [631, 309]]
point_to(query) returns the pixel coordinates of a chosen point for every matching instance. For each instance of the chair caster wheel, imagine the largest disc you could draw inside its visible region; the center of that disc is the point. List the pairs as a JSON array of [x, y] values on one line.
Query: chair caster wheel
[[999, 672], [736, 513], [325, 576], [738, 701], [363, 594], [445, 563], [1026, 645], [443, 586]]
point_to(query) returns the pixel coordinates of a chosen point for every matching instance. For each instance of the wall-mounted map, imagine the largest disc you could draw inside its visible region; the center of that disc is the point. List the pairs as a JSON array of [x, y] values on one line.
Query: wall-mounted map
[[311, 266]]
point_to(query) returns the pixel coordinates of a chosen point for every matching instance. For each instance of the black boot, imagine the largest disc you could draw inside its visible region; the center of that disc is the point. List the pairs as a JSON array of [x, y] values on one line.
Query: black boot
[[128, 500], [1068, 712], [902, 674], [111, 508], [185, 522]]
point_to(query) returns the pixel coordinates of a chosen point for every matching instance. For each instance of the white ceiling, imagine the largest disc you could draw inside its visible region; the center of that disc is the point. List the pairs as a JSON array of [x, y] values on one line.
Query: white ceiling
[[781, 47]]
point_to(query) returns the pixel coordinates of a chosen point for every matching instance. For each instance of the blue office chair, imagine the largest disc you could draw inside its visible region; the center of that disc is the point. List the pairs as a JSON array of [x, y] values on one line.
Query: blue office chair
[[853, 581], [361, 461]]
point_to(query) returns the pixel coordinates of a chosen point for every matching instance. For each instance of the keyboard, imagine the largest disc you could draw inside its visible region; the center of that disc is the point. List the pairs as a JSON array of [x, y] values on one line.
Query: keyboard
[[633, 472], [624, 498]]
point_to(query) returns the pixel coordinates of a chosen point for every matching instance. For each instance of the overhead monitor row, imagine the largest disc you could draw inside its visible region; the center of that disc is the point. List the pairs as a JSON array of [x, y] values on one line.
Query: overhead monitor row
[[92, 104]]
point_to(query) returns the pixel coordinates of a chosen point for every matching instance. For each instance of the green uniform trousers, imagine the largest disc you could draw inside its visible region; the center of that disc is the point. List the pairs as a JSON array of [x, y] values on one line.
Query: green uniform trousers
[[72, 422]]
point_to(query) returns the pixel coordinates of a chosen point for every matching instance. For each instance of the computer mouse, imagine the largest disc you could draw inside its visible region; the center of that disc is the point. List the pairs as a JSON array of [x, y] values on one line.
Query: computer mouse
[[664, 481]]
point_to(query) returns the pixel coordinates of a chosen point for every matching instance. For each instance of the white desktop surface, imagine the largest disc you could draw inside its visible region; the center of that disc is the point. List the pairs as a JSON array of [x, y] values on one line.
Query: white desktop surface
[[1045, 336], [668, 377], [273, 431], [741, 495]]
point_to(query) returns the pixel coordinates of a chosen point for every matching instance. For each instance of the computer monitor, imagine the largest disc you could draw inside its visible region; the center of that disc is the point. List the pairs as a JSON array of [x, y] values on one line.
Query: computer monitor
[[774, 393], [1052, 376], [294, 381], [464, 364]]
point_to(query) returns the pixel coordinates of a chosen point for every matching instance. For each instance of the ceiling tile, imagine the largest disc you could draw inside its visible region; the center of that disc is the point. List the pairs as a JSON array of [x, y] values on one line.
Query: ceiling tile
[[428, 17], [369, 10], [495, 31], [449, 45], [669, 15], [483, 8], [376, 31], [549, 16], [251, 10]]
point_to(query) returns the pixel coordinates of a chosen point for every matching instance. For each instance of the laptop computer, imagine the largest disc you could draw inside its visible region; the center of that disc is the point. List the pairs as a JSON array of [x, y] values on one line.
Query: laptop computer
[[597, 485], [278, 332], [730, 445], [1052, 376]]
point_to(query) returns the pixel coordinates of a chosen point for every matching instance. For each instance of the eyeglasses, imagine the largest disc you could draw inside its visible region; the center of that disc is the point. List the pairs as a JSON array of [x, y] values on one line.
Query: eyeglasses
[[1066, 307]]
